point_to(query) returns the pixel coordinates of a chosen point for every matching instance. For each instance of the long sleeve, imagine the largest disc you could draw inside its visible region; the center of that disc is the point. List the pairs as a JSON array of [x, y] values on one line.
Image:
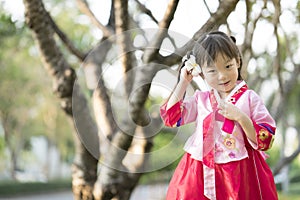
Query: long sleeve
[[182, 112], [171, 116], [263, 123]]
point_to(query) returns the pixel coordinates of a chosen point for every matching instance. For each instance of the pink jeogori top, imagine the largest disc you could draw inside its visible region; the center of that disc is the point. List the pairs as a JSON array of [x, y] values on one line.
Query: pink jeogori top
[[228, 146]]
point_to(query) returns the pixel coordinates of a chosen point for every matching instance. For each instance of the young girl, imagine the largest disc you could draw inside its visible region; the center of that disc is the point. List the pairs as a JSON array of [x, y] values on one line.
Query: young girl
[[224, 158]]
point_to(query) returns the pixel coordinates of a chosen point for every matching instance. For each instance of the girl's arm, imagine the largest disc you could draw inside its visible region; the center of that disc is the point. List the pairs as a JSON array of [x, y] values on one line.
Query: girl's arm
[[175, 112], [248, 127], [259, 127], [178, 93]]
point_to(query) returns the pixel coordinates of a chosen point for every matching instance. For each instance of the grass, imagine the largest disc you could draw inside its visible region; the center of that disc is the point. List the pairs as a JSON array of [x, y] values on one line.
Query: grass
[[10, 188], [288, 196], [293, 194]]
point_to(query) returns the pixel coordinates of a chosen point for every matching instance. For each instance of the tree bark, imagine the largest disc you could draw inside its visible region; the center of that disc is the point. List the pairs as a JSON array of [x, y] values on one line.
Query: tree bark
[[85, 165]]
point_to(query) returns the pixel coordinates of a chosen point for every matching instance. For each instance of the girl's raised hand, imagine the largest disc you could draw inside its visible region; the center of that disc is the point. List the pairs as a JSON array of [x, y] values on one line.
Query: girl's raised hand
[[190, 69], [186, 75]]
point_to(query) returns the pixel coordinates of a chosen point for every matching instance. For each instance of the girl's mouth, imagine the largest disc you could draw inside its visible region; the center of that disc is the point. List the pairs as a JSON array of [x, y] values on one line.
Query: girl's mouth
[[224, 84]]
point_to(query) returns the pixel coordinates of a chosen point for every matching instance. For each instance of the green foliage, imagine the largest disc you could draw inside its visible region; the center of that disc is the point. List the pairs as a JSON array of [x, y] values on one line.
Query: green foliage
[[161, 141], [294, 105], [297, 13], [294, 175], [27, 105], [274, 154], [2, 144], [76, 26], [8, 189], [288, 196], [174, 153], [7, 27]]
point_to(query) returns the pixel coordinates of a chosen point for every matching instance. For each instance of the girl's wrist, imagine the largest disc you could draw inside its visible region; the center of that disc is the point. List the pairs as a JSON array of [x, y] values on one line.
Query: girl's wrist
[[184, 82], [241, 117], [247, 125]]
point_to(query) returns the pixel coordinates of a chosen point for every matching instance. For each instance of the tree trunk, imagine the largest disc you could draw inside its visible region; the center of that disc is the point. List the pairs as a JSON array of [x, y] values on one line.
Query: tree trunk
[[84, 171]]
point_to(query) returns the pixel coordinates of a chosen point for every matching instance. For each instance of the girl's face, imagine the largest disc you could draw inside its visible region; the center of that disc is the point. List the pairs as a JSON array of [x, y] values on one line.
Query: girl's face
[[222, 75]]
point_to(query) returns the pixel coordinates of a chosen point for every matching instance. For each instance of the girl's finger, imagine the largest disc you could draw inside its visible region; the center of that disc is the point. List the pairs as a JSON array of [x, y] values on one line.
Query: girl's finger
[[222, 112], [222, 104]]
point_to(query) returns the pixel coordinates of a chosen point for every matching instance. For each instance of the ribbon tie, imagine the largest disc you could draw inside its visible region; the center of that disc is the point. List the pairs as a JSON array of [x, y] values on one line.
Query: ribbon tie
[[209, 151], [209, 128]]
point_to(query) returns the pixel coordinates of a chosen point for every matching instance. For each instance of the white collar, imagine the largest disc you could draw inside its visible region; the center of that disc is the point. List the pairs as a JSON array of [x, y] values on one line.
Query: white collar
[[236, 88]]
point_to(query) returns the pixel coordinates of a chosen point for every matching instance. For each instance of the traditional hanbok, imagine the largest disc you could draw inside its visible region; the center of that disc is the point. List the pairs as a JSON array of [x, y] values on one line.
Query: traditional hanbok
[[220, 161]]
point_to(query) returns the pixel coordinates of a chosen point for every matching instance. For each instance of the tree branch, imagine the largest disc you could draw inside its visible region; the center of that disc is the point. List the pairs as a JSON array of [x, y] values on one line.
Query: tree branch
[[277, 61], [279, 106], [155, 44], [217, 18], [66, 40], [169, 15], [84, 7], [102, 107], [246, 49], [207, 7], [285, 161], [124, 41], [146, 11]]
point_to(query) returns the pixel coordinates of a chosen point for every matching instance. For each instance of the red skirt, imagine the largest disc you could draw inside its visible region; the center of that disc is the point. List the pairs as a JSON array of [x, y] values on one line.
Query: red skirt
[[247, 179]]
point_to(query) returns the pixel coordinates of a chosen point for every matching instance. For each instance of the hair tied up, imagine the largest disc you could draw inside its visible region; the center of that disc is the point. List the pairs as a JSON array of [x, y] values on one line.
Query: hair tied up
[[233, 39]]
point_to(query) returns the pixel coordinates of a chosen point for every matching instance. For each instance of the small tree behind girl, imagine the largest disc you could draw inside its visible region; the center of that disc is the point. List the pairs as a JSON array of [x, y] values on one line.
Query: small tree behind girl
[[224, 157]]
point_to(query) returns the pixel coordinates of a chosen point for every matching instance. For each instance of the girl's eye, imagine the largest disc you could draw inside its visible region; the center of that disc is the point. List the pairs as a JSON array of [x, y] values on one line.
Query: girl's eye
[[212, 71], [228, 66]]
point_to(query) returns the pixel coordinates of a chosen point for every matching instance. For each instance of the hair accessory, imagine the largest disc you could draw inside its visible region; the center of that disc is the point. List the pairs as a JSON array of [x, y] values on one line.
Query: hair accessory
[[191, 65], [233, 39], [184, 58]]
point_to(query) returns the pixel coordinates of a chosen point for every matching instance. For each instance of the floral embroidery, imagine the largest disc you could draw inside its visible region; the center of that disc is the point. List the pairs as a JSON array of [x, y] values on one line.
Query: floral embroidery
[[231, 155], [263, 134], [229, 143]]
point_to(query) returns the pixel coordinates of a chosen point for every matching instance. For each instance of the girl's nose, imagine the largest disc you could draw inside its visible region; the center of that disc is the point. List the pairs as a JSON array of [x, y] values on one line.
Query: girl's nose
[[221, 76]]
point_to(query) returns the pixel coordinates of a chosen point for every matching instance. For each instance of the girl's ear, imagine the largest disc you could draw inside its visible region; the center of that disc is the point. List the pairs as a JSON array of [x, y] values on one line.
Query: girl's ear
[[238, 61]]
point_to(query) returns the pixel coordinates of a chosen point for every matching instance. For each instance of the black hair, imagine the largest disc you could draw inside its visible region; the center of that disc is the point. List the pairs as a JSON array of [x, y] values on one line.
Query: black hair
[[210, 45]]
